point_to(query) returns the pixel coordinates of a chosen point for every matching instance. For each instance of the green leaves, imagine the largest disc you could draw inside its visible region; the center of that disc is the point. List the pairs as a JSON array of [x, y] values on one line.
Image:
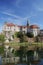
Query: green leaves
[[2, 38], [30, 35]]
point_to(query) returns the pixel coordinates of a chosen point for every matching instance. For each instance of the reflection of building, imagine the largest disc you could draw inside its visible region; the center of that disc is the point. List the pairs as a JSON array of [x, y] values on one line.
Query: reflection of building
[[10, 28]]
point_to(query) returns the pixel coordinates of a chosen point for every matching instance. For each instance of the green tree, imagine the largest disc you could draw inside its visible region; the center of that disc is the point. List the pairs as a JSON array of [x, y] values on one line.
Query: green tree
[[18, 34], [23, 37], [30, 35], [2, 38]]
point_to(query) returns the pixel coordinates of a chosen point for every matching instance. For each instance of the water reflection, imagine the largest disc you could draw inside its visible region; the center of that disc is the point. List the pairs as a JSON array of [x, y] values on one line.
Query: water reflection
[[0, 60], [32, 58]]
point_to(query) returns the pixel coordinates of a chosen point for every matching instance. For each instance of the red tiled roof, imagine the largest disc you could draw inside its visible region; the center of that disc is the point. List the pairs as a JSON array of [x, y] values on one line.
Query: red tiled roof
[[23, 26], [10, 24], [34, 26], [19, 26]]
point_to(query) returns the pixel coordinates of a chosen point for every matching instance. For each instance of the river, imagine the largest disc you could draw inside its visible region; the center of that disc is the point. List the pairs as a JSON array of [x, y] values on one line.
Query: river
[[39, 63], [0, 60]]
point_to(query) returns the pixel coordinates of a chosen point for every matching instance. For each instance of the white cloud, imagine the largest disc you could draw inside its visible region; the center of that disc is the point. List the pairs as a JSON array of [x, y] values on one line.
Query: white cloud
[[15, 18], [9, 14], [13, 15], [18, 17]]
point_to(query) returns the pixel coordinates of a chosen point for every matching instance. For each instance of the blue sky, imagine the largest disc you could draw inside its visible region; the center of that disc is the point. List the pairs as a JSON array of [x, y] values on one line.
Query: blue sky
[[18, 11]]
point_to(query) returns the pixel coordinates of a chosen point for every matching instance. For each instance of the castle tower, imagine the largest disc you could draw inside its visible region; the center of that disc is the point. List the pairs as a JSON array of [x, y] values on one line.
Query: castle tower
[[28, 25]]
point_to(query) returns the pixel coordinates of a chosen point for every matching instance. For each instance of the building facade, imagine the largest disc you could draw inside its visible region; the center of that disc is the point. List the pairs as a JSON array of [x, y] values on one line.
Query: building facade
[[9, 29]]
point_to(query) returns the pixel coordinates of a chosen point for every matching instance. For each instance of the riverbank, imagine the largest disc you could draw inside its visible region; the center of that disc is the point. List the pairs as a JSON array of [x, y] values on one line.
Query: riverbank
[[13, 44]]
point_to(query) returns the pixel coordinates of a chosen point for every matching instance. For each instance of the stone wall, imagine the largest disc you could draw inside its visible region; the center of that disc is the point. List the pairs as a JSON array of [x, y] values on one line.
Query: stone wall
[[31, 39], [28, 39], [16, 40]]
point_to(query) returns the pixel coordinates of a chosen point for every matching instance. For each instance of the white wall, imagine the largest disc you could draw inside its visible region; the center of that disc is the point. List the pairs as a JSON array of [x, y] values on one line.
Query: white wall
[[17, 29], [35, 32]]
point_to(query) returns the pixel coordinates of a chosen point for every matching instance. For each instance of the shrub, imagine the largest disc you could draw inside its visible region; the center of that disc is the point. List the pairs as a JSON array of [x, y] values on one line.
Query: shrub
[[30, 35], [19, 34]]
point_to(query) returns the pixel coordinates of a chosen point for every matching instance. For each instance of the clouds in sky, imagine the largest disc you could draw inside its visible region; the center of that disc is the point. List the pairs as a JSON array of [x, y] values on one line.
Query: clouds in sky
[[18, 11], [18, 19]]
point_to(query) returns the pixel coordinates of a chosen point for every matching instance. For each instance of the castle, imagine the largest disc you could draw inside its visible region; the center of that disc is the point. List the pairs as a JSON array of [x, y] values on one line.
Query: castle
[[9, 29]]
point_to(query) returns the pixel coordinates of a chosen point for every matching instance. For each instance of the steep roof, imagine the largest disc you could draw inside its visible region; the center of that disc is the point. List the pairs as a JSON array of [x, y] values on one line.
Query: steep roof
[[34, 26], [10, 24], [22, 26], [31, 26]]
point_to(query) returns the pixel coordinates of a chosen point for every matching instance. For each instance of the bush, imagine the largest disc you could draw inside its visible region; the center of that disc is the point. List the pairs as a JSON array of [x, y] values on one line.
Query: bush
[[23, 37], [1, 49], [2, 38], [18, 34], [30, 35]]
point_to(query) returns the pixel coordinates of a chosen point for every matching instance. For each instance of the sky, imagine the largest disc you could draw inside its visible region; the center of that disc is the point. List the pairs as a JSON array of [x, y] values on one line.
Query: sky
[[19, 11]]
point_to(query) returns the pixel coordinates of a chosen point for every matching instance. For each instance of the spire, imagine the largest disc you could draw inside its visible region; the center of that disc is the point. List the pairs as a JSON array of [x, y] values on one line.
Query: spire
[[27, 23]]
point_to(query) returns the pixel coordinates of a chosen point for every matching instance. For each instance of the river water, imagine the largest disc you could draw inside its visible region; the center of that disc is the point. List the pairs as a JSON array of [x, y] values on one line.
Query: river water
[[39, 63], [0, 60]]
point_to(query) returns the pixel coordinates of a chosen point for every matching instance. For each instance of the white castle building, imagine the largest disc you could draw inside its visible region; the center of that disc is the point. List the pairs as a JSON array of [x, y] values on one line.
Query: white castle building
[[9, 29]]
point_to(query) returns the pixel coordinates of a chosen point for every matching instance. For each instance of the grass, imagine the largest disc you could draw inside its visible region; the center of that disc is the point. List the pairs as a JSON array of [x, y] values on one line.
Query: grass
[[18, 44], [39, 44]]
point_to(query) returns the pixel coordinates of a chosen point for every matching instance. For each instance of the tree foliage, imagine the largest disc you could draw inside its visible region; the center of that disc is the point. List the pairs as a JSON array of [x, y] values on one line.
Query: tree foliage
[[2, 38], [30, 35], [18, 34], [22, 36]]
